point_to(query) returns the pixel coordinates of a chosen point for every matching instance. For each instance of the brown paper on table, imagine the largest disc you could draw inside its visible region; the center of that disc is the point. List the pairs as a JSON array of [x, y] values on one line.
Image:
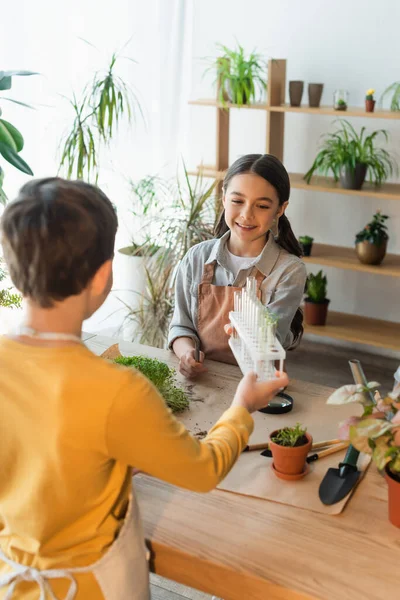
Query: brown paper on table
[[253, 476]]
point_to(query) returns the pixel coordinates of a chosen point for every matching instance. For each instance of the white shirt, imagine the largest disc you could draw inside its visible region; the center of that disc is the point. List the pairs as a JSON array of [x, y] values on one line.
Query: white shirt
[[235, 264]]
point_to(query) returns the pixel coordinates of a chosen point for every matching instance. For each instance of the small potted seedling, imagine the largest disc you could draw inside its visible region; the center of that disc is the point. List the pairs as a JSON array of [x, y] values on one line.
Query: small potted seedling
[[289, 447], [369, 100], [316, 302], [306, 243], [340, 100]]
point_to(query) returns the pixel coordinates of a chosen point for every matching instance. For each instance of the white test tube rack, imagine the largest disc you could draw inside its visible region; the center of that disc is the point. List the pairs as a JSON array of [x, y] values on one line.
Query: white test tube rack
[[253, 341]]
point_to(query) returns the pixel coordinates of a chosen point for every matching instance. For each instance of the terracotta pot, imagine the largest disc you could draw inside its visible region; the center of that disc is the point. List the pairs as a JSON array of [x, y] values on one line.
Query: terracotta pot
[[369, 105], [393, 497], [370, 254], [353, 179], [314, 94], [290, 460], [315, 313], [296, 92]]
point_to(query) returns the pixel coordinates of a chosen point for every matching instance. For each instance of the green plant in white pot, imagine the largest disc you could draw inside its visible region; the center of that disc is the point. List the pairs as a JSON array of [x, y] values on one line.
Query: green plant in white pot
[[371, 241], [351, 157]]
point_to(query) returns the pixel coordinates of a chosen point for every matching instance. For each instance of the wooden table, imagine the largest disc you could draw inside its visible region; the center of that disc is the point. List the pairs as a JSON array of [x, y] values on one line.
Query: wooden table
[[243, 548]]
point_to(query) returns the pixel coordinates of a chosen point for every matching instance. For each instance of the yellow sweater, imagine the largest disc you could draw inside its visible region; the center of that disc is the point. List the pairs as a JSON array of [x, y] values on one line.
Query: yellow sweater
[[71, 427]]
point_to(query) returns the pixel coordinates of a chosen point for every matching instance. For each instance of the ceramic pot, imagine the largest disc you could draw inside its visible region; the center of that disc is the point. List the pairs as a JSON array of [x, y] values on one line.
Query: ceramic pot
[[296, 92], [315, 313], [371, 254], [290, 460], [353, 179], [314, 94]]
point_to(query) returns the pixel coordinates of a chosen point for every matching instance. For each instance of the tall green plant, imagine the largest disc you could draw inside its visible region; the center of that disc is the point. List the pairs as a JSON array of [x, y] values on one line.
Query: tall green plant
[[105, 100], [11, 140], [345, 148], [239, 76], [188, 219], [316, 287]]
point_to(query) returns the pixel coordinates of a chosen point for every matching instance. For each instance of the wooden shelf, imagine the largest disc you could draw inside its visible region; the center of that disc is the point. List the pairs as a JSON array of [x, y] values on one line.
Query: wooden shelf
[[362, 330], [387, 191], [346, 258], [217, 104], [355, 111]]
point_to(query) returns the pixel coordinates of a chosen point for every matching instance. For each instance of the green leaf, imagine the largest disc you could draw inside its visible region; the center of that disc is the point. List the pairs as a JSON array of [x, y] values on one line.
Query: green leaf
[[16, 161], [5, 83], [15, 134]]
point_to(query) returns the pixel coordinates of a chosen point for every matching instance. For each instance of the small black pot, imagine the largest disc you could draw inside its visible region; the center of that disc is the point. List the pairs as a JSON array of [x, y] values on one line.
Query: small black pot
[[306, 249], [353, 180]]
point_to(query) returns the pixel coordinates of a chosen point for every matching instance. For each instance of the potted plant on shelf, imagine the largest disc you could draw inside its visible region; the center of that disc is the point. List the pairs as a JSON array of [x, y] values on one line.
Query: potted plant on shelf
[[306, 243], [376, 432], [340, 100], [369, 100], [289, 447], [351, 156], [316, 302], [371, 242], [241, 79], [394, 92]]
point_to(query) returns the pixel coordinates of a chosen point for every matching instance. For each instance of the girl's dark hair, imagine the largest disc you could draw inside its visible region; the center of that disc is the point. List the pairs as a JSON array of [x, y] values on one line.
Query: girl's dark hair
[[272, 170]]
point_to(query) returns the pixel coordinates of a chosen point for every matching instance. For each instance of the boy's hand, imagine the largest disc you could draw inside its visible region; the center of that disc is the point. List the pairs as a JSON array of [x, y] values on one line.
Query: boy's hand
[[188, 365], [253, 394]]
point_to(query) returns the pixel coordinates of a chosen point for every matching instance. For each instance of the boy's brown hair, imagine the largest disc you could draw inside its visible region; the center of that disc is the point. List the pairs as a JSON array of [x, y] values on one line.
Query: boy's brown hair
[[55, 236]]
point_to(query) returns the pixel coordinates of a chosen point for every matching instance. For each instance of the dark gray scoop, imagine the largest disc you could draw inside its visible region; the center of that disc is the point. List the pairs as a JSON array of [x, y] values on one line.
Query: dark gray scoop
[[337, 483]]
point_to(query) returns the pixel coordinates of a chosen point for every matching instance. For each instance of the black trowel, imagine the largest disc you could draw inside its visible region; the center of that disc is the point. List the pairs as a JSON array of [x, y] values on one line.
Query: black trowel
[[337, 483]]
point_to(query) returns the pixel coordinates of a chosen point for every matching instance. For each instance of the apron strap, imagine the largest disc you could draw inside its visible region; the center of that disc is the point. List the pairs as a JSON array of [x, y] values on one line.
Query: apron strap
[[208, 272], [24, 573]]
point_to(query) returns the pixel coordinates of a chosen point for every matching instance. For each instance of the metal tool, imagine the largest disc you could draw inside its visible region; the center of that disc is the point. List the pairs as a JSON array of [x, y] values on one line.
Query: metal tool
[[337, 483]]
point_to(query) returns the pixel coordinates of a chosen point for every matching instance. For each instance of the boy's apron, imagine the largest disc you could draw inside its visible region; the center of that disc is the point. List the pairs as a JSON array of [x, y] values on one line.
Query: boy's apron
[[215, 304], [122, 573]]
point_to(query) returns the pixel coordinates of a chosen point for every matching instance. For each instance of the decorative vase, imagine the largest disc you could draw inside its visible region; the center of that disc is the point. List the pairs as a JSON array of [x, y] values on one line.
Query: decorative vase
[[371, 254], [353, 179], [296, 92], [340, 99], [306, 249], [314, 94], [369, 105], [393, 497], [315, 313], [290, 460]]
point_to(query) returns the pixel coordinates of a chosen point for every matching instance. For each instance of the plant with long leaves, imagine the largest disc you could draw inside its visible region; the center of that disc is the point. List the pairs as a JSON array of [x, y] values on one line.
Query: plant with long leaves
[[394, 92], [188, 219], [240, 77], [11, 140], [105, 100], [345, 148]]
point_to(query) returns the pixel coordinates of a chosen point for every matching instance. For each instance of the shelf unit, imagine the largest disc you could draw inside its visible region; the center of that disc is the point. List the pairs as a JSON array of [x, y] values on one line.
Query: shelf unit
[[363, 330]]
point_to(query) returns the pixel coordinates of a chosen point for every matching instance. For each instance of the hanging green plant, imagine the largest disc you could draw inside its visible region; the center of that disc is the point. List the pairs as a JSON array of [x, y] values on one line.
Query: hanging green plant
[[105, 100], [161, 376], [241, 78]]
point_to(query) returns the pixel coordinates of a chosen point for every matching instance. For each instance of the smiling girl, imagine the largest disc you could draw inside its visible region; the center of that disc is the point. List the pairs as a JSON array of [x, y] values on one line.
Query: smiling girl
[[256, 193]]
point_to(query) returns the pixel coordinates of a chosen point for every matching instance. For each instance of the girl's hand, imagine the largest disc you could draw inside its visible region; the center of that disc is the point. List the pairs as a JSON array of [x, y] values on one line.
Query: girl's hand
[[253, 394], [188, 365]]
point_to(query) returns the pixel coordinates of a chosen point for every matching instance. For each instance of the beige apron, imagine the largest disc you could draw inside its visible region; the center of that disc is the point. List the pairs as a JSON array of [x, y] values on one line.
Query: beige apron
[[122, 573], [214, 304]]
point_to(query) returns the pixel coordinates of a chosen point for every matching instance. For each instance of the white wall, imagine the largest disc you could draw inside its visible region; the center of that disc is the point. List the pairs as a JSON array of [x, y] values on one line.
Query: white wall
[[350, 44]]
